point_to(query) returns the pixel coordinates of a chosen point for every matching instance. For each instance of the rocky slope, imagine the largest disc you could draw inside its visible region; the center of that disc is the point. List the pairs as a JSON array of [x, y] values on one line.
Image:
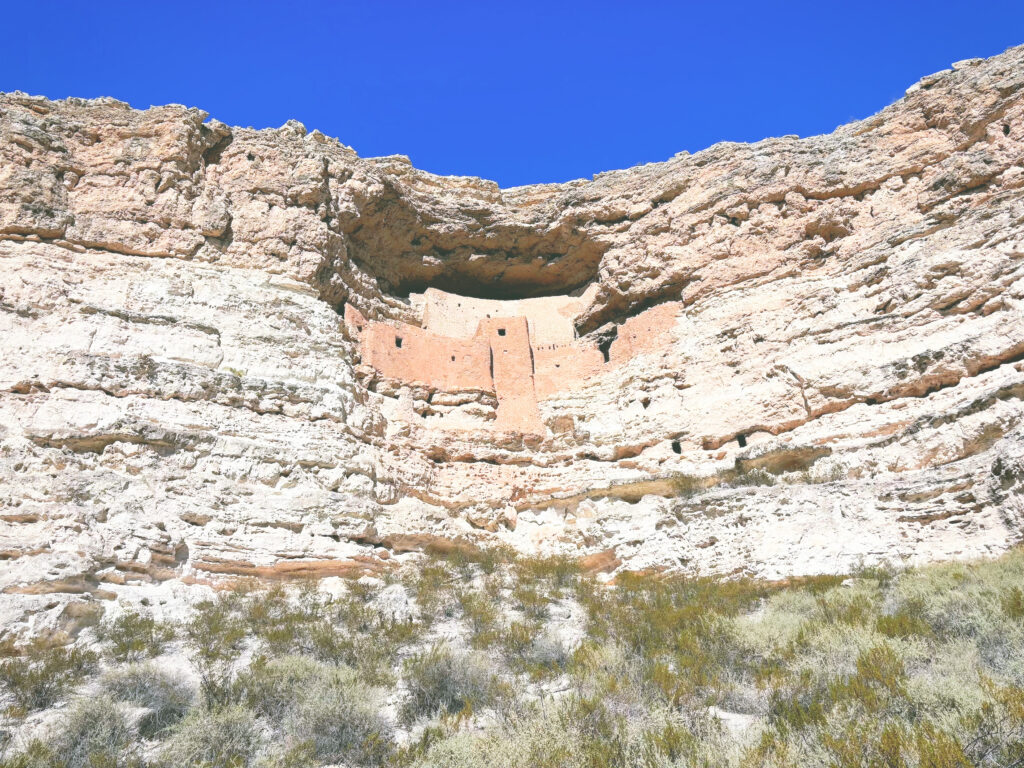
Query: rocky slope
[[180, 398]]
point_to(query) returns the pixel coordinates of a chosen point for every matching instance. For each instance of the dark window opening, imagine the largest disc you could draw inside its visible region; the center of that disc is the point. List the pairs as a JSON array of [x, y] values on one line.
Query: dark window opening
[[501, 331], [558, 365], [1006, 129], [604, 343], [677, 447], [453, 358], [742, 440], [398, 341]]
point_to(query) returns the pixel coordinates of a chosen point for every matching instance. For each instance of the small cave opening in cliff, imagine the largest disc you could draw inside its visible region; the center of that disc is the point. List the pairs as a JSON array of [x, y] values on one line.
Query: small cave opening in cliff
[[677, 447], [605, 341], [742, 440]]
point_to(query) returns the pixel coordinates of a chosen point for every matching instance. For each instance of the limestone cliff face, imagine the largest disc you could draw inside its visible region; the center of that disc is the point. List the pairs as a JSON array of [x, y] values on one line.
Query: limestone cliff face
[[780, 358]]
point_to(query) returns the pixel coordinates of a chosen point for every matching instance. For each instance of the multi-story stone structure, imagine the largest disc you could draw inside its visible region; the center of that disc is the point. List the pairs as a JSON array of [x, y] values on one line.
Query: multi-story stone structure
[[520, 351]]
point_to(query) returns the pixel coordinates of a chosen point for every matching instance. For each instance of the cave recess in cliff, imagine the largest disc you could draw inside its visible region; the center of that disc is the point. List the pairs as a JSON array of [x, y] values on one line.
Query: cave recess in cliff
[[495, 276], [407, 251]]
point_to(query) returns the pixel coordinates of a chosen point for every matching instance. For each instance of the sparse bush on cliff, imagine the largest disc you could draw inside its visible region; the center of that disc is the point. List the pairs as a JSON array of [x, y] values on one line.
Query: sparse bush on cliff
[[133, 636], [215, 636], [440, 680], [43, 674], [167, 697], [224, 737], [323, 708], [481, 613], [95, 733]]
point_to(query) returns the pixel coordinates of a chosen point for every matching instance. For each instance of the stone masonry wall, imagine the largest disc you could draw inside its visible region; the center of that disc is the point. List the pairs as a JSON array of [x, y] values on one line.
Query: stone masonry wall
[[510, 356]]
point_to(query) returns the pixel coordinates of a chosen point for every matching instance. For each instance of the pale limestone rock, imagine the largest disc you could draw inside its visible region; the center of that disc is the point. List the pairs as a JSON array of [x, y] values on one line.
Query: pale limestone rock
[[181, 400]]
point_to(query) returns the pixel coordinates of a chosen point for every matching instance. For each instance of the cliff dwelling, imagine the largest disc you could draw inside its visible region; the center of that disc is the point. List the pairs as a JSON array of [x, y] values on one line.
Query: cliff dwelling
[[513, 352]]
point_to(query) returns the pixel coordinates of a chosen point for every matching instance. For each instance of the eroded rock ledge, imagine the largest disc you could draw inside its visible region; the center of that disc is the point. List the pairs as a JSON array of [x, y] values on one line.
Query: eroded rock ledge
[[190, 386]]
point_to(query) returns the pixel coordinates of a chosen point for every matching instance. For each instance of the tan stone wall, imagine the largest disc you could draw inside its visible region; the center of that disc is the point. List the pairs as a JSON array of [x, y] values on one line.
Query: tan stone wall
[[512, 370], [645, 332], [562, 367], [550, 318], [503, 354], [426, 358]]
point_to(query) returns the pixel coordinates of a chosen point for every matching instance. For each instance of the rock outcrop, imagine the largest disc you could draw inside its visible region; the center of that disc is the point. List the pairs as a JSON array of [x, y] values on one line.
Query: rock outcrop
[[779, 358]]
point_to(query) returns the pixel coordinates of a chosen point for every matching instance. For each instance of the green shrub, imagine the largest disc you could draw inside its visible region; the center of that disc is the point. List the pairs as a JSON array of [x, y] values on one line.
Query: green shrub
[[557, 572], [535, 604], [434, 588], [225, 737], [358, 635], [270, 687], [339, 726], [463, 557], [134, 636], [904, 623], [285, 623], [94, 734], [44, 674], [846, 605], [35, 755], [441, 681], [167, 697], [215, 636], [518, 637], [324, 707], [481, 613], [1013, 603], [537, 652]]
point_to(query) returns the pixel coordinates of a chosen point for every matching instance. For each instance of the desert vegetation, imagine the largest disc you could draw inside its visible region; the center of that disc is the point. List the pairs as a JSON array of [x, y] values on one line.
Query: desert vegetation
[[480, 658]]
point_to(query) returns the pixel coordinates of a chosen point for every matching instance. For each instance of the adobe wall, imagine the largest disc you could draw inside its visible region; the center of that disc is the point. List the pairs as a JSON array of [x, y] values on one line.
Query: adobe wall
[[512, 356], [512, 371], [426, 358], [550, 318], [645, 332], [568, 366]]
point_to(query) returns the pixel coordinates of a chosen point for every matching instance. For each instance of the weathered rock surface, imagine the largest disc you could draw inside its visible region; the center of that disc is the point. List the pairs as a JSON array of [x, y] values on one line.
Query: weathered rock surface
[[181, 398]]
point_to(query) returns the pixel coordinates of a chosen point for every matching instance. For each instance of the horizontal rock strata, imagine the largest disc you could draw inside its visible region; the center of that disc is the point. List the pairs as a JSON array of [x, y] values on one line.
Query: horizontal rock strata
[[186, 391]]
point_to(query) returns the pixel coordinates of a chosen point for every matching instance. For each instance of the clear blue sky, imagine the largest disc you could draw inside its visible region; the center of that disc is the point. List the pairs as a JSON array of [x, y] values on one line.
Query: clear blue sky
[[519, 92]]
